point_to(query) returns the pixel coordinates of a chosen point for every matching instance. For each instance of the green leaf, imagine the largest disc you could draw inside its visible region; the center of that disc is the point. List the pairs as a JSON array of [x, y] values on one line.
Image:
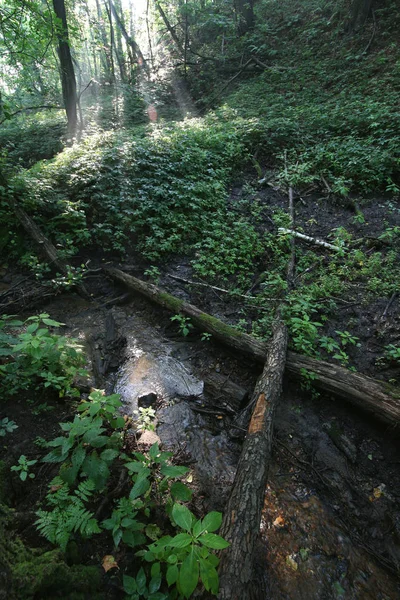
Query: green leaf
[[109, 455], [32, 328], [141, 581], [172, 574], [77, 457], [209, 576], [180, 491], [182, 516], [155, 570], [155, 583], [141, 486], [213, 541], [180, 541], [173, 471], [154, 451], [133, 538], [212, 521], [198, 528], [130, 586], [189, 575], [52, 323]]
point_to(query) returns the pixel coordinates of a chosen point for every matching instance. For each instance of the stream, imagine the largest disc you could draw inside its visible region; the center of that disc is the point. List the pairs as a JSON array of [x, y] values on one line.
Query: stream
[[331, 518]]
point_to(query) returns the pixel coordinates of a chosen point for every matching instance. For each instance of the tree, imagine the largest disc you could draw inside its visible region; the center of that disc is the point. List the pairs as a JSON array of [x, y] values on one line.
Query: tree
[[68, 81], [360, 10]]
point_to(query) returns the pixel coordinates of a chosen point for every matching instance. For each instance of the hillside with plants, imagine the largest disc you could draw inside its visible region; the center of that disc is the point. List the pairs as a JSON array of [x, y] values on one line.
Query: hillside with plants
[[199, 290]]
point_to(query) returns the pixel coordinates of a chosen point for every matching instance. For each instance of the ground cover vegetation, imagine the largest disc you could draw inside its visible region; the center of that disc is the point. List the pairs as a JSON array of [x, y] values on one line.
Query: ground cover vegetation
[[300, 95]]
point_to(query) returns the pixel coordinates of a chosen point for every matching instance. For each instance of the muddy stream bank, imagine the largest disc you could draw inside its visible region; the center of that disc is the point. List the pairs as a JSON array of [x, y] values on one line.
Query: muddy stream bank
[[331, 519]]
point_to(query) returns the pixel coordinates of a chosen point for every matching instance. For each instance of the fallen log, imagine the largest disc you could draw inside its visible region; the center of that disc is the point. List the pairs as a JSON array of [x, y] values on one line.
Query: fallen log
[[224, 391], [44, 245], [242, 515], [376, 397]]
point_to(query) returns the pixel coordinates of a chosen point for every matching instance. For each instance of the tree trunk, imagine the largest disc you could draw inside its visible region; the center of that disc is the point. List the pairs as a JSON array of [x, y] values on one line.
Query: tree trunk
[[242, 515], [245, 13], [130, 41], [371, 395], [171, 30], [360, 10], [68, 82]]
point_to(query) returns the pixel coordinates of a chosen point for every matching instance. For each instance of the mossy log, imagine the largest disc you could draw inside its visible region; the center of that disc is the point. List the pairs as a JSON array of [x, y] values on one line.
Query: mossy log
[[371, 395], [44, 244]]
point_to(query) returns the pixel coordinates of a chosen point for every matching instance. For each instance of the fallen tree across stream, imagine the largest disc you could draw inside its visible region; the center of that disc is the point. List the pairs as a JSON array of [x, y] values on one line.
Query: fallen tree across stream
[[376, 397]]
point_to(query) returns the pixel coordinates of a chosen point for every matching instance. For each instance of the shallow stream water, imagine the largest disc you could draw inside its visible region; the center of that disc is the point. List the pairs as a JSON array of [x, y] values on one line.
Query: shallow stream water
[[331, 519]]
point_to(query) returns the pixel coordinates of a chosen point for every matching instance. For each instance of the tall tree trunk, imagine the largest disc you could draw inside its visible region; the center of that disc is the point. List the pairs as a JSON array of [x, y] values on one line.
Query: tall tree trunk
[[119, 52], [245, 12], [105, 55], [128, 39], [170, 28], [107, 6], [360, 10], [68, 82]]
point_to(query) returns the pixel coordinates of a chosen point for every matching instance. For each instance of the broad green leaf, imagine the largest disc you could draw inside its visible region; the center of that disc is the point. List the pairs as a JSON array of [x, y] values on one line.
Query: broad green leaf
[[32, 328], [130, 586], [133, 538], [212, 521], [109, 455], [180, 491], [198, 528], [141, 486], [173, 471], [52, 323], [189, 575], [155, 570], [141, 581], [209, 576], [155, 583], [180, 541], [77, 457], [213, 541], [154, 451], [172, 574], [182, 516]]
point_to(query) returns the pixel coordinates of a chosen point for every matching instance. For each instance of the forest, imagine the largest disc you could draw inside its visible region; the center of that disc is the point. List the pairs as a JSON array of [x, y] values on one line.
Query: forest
[[199, 299]]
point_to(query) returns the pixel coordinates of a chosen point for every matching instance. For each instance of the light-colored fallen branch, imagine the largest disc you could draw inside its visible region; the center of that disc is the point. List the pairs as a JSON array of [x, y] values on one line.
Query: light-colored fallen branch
[[311, 240], [211, 287]]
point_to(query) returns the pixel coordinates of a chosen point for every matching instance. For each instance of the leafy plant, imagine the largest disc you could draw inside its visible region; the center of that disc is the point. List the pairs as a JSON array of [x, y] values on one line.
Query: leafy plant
[[38, 358], [23, 468], [123, 525], [69, 514], [184, 324], [7, 426], [145, 418], [188, 556], [392, 353]]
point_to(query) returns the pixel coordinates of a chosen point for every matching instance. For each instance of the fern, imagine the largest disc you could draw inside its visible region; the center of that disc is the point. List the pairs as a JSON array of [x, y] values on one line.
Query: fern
[[69, 514]]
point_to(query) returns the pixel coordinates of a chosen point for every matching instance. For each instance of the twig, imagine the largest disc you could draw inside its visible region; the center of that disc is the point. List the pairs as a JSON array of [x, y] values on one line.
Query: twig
[[212, 287], [233, 78], [389, 304], [328, 187]]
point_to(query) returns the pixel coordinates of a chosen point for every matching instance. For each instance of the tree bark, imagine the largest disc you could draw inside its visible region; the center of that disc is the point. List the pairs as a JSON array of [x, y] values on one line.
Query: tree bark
[[44, 245], [68, 81], [129, 40], [376, 397], [171, 30], [242, 515], [360, 10]]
